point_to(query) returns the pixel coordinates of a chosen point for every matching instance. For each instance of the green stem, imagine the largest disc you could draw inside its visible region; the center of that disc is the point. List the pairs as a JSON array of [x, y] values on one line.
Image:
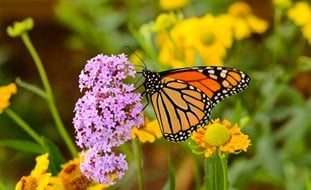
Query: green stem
[[31, 88], [216, 172], [197, 172], [224, 167], [177, 50], [276, 32], [138, 158], [145, 44], [23, 125], [209, 173], [49, 98]]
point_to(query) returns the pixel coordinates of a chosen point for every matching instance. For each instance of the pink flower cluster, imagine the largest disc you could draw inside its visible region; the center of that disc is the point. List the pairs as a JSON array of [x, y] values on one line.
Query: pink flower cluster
[[105, 116]]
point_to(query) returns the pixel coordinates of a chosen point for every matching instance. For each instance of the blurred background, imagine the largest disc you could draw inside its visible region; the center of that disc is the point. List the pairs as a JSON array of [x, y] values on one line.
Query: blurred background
[[69, 32]]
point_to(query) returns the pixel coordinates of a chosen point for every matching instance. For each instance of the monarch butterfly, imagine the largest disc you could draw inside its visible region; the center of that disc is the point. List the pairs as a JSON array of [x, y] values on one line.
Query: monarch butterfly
[[182, 99]]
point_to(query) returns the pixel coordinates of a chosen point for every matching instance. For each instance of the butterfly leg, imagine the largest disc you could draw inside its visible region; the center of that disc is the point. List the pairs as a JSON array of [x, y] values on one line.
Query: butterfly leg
[[139, 87], [147, 98], [138, 82]]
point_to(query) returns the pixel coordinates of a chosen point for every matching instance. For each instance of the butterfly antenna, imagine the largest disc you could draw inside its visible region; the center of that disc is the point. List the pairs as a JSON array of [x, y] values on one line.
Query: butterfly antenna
[[137, 56]]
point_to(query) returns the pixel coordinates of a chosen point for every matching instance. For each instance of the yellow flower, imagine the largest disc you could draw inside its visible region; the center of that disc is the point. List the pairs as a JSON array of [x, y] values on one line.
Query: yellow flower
[[173, 5], [300, 13], [211, 39], [97, 186], [55, 183], [5, 94], [306, 31], [147, 133], [71, 178], [38, 178], [220, 135], [20, 28], [239, 9], [164, 22], [197, 37], [244, 22], [175, 47]]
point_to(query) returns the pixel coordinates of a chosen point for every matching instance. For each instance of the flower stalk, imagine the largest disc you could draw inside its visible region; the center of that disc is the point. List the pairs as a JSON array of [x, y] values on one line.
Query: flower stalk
[[216, 172], [20, 29], [138, 157], [23, 125], [217, 140], [49, 98]]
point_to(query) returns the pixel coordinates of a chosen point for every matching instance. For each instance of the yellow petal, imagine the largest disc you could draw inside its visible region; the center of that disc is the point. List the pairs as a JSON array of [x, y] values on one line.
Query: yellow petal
[[154, 128], [147, 133], [38, 179], [41, 166], [238, 141], [306, 31], [172, 5], [257, 25], [239, 9], [300, 13], [5, 94]]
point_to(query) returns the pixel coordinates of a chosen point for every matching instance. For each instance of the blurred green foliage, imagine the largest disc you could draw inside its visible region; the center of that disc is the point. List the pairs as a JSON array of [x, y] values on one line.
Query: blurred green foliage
[[102, 24]]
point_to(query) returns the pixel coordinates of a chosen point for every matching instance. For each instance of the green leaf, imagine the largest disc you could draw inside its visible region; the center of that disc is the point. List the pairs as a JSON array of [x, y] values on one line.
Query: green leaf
[[2, 186], [295, 132], [197, 172], [269, 157], [241, 172], [308, 183], [31, 87], [292, 181], [237, 112], [55, 156], [304, 64], [22, 145]]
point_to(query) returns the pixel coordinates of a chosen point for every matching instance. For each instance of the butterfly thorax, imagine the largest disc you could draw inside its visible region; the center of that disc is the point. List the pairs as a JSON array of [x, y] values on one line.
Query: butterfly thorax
[[152, 82]]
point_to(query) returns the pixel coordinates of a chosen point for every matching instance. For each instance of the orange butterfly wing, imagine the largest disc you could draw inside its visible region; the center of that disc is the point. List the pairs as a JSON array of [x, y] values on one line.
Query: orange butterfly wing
[[180, 109], [185, 97], [214, 81]]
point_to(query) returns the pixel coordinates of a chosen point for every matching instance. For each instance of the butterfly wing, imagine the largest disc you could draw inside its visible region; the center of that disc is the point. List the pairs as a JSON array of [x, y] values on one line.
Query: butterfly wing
[[216, 82], [180, 108], [188, 95]]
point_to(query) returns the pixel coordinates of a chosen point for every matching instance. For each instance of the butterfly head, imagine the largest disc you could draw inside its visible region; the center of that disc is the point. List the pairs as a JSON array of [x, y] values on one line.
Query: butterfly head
[[152, 82]]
